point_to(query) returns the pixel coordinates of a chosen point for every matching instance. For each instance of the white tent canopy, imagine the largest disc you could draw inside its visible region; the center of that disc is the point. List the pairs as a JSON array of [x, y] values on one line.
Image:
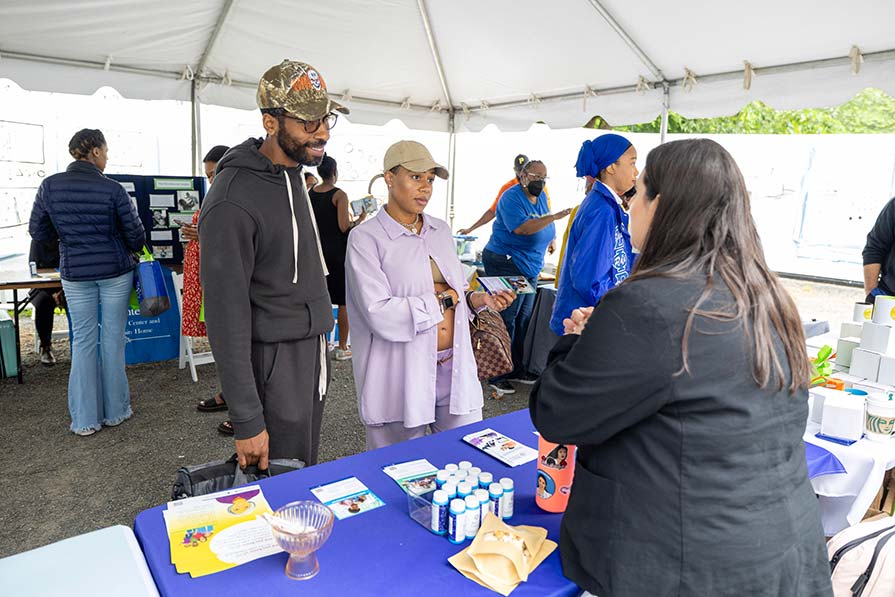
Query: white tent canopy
[[454, 65]]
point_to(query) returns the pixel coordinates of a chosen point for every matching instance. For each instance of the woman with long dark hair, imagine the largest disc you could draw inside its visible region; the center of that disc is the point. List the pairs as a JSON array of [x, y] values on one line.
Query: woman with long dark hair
[[685, 390]]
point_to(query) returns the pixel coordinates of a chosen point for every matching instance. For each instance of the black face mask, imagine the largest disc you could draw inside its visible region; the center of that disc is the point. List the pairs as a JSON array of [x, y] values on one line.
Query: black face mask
[[535, 187]]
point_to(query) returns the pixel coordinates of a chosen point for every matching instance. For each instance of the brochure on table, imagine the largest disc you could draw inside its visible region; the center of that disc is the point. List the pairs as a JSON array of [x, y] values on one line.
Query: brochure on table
[[415, 476], [347, 497], [501, 447], [218, 531], [164, 203]]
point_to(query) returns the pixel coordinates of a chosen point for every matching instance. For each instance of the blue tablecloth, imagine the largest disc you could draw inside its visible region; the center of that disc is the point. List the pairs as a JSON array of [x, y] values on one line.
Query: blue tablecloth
[[821, 461], [380, 552]]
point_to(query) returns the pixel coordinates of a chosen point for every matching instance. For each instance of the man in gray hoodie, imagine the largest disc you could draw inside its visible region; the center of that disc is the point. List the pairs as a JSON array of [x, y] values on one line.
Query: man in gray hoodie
[[267, 308]]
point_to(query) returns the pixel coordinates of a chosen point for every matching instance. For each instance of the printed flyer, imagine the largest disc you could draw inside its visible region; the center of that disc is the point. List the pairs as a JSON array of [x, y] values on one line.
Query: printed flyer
[[218, 531], [508, 451], [416, 476], [347, 497]]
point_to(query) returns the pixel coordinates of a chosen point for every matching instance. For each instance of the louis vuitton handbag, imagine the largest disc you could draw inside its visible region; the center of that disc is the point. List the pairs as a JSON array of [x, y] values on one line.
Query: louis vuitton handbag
[[491, 344]]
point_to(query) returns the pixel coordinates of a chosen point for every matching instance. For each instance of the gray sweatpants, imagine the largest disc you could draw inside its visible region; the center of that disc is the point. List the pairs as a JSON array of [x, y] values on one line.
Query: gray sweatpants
[[287, 376]]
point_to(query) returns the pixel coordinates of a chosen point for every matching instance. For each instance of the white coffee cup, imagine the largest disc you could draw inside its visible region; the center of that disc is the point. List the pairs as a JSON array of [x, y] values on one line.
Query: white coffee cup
[[879, 416], [863, 312]]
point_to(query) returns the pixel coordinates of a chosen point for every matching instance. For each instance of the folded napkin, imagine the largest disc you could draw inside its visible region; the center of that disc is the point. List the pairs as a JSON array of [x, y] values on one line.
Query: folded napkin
[[500, 556]]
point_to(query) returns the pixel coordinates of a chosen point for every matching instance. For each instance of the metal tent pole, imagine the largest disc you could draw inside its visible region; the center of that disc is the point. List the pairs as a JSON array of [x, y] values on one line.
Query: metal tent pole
[[194, 127], [452, 164], [663, 127]]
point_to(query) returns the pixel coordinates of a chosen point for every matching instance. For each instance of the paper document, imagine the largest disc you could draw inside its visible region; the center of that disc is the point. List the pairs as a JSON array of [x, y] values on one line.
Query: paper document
[[501, 447], [347, 497], [218, 531], [415, 476], [517, 284]]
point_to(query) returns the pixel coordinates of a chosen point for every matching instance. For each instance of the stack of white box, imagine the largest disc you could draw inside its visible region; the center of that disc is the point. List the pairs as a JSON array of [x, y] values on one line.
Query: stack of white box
[[874, 357]]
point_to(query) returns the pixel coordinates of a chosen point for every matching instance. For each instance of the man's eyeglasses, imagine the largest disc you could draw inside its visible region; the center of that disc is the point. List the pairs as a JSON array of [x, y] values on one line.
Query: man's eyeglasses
[[311, 126]]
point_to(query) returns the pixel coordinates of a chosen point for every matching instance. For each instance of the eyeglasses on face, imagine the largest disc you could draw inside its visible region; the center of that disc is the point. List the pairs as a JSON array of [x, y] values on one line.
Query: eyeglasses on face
[[311, 126]]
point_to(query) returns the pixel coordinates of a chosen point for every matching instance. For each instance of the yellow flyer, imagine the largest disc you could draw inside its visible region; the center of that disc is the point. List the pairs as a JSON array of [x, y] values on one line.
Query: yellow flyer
[[218, 531]]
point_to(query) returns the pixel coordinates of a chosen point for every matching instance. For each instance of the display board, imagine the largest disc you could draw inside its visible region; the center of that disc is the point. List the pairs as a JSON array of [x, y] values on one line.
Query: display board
[[164, 204]]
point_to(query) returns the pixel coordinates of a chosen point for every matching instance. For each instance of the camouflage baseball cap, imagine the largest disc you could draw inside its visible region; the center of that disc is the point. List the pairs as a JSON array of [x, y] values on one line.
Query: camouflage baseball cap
[[298, 88]]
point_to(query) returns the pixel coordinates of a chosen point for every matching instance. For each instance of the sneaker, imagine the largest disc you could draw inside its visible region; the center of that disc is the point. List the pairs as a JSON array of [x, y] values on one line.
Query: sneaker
[[526, 378], [502, 387], [85, 432], [47, 358], [342, 354]]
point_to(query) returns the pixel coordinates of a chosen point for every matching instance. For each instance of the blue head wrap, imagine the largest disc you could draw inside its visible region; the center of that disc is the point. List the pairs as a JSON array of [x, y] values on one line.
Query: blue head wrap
[[600, 153]]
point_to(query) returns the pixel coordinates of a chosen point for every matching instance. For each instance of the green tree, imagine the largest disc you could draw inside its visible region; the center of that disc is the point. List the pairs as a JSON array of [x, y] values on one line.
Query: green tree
[[870, 111]]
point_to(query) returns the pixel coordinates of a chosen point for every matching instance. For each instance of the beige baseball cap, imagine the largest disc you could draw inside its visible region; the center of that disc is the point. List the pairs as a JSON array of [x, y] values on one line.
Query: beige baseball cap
[[413, 156], [298, 88]]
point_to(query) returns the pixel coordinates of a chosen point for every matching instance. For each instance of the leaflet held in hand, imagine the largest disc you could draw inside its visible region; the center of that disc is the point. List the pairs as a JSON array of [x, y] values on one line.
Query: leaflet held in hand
[[495, 284]]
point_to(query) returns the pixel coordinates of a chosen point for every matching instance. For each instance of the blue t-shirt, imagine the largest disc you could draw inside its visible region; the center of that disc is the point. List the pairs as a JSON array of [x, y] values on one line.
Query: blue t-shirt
[[527, 251]]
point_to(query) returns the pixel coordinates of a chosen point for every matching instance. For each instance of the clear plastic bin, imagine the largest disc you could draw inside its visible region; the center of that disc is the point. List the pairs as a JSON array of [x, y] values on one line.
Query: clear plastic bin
[[419, 506]]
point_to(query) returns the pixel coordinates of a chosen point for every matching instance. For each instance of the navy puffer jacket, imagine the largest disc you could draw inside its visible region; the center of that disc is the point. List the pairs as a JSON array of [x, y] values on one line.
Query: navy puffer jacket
[[94, 219]]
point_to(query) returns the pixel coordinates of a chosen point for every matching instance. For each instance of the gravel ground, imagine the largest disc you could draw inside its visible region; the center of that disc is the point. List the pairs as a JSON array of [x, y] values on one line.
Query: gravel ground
[[60, 485]]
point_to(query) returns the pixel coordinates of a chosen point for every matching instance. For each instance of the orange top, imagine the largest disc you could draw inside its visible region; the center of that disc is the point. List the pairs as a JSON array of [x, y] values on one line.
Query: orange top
[[507, 186]]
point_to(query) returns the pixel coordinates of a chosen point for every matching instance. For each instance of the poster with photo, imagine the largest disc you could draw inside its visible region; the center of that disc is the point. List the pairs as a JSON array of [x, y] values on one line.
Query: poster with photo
[[188, 200], [176, 219], [163, 251], [159, 218]]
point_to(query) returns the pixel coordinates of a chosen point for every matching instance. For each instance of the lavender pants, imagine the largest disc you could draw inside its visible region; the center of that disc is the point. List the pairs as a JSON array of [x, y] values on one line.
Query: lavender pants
[[379, 436]]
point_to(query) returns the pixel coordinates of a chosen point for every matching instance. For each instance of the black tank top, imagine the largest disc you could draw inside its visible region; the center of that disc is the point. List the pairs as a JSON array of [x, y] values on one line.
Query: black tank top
[[333, 241]]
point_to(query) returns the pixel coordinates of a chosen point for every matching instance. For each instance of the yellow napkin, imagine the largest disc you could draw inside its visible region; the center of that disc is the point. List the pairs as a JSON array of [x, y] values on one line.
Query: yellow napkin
[[502, 556]]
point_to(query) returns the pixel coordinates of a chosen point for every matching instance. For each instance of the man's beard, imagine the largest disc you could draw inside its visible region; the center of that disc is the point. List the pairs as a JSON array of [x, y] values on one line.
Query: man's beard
[[298, 151]]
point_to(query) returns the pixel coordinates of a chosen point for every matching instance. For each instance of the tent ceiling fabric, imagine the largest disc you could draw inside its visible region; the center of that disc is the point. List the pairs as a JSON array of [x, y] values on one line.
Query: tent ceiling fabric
[[522, 60]]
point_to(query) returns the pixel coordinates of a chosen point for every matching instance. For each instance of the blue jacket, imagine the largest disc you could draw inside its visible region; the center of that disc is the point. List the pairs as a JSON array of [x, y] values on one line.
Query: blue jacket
[[94, 219], [598, 255]]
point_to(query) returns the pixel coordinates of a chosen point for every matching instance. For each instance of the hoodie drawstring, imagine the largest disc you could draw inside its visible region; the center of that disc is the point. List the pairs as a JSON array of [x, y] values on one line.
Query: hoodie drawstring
[[294, 230], [323, 377]]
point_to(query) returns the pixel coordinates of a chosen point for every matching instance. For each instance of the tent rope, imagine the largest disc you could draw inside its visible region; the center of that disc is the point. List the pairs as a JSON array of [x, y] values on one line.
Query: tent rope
[[588, 92], [642, 85], [857, 58], [689, 79], [187, 73], [748, 73]]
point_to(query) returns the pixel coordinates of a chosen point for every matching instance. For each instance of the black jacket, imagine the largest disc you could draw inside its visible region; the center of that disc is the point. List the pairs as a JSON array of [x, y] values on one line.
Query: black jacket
[[94, 220], [880, 247], [260, 282], [685, 485]]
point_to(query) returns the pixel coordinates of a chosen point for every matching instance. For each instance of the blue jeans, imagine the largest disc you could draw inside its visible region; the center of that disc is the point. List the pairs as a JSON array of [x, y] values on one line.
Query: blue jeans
[[518, 314], [98, 393]]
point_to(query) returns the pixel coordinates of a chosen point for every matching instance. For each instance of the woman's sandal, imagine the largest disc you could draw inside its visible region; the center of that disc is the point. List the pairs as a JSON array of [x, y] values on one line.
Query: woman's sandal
[[210, 405], [226, 427]]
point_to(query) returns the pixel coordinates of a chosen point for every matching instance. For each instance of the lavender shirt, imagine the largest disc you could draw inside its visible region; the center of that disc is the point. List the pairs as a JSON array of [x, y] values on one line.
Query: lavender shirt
[[394, 316]]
